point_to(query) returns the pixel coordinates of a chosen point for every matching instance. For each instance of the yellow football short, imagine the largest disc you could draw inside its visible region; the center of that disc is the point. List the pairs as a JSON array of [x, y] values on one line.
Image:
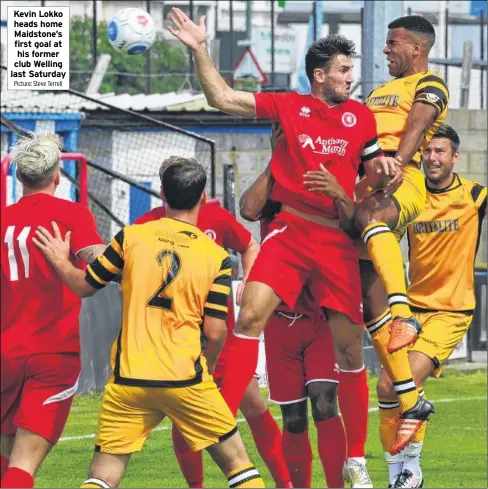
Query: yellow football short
[[410, 199], [441, 333], [128, 414]]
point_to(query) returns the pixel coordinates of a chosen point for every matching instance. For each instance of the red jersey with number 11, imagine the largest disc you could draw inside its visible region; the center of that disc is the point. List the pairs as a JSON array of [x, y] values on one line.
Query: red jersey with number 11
[[39, 313], [340, 137]]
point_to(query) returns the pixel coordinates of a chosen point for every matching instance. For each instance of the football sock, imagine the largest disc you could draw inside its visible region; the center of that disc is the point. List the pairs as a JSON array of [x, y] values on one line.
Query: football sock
[[395, 364], [412, 456], [353, 402], [3, 465], [15, 477], [389, 265], [395, 464], [245, 476], [389, 410], [332, 449], [298, 455], [267, 437], [240, 365], [191, 464]]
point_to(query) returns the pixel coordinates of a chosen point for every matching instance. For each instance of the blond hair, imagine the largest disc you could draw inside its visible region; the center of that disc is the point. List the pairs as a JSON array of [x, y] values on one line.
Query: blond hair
[[37, 156]]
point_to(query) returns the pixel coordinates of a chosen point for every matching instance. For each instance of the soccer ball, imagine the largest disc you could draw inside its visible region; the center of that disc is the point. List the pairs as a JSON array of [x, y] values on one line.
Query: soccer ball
[[131, 31]]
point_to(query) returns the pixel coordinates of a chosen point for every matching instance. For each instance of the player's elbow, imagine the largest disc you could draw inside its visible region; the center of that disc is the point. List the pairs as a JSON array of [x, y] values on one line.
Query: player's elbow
[[221, 99], [248, 210], [215, 331]]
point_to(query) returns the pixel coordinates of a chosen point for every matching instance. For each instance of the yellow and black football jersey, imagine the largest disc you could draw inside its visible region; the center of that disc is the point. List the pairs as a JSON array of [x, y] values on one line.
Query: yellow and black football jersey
[[173, 275], [443, 242], [392, 102]]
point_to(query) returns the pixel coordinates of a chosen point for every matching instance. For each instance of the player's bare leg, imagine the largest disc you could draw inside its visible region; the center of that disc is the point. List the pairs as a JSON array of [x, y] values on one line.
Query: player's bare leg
[[353, 393], [6, 445], [410, 474], [259, 301], [266, 433], [28, 450], [406, 403], [106, 470], [376, 217], [231, 457]]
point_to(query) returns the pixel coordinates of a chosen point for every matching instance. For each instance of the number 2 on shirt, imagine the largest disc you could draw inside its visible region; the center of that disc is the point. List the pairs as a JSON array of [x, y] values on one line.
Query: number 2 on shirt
[[158, 299], [24, 252]]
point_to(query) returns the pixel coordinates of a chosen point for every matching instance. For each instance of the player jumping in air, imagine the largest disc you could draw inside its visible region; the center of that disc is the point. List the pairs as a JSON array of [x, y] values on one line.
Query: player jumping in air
[[175, 285], [40, 343], [227, 231], [307, 247], [408, 110]]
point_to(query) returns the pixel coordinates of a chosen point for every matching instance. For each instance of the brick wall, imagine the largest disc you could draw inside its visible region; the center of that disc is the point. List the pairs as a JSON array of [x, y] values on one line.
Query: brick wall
[[250, 153]]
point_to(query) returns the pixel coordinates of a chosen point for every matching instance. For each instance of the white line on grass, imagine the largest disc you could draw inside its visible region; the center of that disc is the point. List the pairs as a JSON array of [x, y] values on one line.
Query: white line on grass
[[243, 420]]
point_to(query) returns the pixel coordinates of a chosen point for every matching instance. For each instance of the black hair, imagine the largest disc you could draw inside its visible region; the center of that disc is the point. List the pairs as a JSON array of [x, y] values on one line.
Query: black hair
[[183, 183], [446, 131], [416, 24], [321, 52]]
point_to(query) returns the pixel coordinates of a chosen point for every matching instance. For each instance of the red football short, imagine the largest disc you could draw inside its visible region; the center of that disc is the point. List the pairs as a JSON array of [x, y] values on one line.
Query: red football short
[[298, 352], [296, 252], [37, 392]]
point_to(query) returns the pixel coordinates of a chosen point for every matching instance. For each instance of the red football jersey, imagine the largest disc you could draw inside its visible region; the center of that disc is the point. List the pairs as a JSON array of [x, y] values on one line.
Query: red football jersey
[[39, 313], [340, 137], [220, 225]]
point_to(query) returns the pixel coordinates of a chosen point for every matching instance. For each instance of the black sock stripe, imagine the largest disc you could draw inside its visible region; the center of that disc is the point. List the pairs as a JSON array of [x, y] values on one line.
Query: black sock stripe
[[247, 479], [401, 382]]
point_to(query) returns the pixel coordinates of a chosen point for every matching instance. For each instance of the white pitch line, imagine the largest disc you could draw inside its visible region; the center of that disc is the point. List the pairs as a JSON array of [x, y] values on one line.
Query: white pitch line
[[243, 420]]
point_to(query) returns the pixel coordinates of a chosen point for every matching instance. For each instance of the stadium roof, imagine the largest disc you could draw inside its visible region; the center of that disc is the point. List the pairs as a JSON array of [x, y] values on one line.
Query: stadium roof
[[34, 101]]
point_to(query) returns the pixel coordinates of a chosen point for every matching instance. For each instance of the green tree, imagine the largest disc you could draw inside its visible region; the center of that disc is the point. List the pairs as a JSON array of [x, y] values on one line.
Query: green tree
[[167, 61]]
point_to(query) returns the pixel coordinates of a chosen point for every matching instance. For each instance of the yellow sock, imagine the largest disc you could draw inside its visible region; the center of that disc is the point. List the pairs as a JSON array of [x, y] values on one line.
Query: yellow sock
[[245, 476], [386, 256], [388, 410], [395, 364], [94, 482]]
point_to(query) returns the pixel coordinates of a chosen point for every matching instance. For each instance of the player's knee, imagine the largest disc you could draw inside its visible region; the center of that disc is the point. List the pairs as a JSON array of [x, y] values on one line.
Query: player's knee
[[362, 218], [295, 423], [250, 322], [323, 398]]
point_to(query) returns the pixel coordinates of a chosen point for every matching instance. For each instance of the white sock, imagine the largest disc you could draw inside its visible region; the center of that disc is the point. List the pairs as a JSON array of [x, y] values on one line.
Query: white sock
[[412, 457], [395, 464]]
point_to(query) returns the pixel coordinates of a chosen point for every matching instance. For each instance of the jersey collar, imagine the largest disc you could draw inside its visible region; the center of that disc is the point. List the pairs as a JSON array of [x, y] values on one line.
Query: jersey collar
[[456, 183]]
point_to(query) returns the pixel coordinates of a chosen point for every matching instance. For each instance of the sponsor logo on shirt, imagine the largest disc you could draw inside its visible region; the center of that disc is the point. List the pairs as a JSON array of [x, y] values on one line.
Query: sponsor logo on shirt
[[211, 234], [324, 146], [305, 111], [432, 97], [349, 119]]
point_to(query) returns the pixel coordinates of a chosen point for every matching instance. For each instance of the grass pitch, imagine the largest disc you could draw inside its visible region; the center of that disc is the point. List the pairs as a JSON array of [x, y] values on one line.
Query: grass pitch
[[455, 450]]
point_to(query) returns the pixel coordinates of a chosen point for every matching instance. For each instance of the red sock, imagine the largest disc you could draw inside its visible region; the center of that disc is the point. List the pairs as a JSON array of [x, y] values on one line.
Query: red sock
[[353, 401], [3, 465], [267, 437], [190, 462], [241, 360], [15, 477], [332, 449], [298, 455]]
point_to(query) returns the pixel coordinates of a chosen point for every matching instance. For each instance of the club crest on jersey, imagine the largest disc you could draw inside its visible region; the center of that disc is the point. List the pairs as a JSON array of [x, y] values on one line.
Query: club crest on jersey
[[305, 111], [211, 234], [432, 97], [349, 119]]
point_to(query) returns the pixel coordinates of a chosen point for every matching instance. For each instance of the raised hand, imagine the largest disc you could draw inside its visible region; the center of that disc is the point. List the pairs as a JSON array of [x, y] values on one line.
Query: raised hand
[[189, 33], [322, 181]]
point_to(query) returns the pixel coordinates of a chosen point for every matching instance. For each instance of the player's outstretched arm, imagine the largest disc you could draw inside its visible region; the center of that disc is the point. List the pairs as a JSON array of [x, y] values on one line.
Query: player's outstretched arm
[[56, 250], [253, 199], [215, 332], [219, 95]]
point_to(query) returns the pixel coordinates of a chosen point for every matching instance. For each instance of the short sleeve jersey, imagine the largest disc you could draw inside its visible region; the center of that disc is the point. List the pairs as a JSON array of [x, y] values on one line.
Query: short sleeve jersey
[[39, 313], [172, 276], [340, 137]]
